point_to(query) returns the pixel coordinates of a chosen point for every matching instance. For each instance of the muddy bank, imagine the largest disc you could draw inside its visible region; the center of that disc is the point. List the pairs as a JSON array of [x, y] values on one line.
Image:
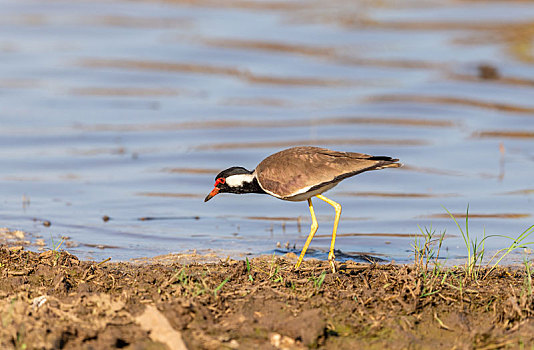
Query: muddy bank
[[53, 300]]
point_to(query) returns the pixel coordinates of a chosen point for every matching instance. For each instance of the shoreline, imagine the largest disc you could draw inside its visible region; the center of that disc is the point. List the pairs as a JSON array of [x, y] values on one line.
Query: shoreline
[[53, 300]]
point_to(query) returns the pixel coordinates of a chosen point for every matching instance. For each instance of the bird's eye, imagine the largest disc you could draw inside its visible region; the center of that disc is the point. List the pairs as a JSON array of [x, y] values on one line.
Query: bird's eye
[[220, 180]]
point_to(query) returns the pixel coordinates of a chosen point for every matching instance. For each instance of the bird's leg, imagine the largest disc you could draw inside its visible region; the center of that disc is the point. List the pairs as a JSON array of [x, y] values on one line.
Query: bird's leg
[[313, 229], [337, 207]]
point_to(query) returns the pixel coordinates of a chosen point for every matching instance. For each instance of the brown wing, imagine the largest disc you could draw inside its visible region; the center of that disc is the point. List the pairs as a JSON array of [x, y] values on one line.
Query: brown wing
[[288, 171]]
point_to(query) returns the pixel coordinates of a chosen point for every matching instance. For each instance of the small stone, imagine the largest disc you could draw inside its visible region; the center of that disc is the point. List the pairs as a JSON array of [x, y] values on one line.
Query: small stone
[[486, 71], [39, 301], [18, 234], [291, 256], [275, 340]]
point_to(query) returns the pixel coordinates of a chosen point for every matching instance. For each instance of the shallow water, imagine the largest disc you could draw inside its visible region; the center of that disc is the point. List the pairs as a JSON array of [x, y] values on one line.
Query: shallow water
[[129, 109]]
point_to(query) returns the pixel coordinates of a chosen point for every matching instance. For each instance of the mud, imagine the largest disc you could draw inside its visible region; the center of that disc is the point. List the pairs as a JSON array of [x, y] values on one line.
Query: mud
[[52, 300]]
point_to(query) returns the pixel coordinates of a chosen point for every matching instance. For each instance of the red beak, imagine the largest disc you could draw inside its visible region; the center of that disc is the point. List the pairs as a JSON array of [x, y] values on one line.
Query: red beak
[[212, 194]]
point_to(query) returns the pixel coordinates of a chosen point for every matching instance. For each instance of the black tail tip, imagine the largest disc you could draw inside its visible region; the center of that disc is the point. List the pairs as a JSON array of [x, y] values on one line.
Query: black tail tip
[[384, 158]]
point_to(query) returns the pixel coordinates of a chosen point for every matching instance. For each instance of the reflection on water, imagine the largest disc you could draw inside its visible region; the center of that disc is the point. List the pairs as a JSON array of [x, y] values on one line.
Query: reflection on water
[[323, 142], [457, 101], [219, 124], [166, 194], [395, 195], [506, 134], [193, 68], [483, 216], [127, 110]]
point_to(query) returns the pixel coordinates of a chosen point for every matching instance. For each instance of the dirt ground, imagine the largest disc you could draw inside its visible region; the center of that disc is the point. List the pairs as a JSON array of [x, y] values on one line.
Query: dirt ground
[[52, 300]]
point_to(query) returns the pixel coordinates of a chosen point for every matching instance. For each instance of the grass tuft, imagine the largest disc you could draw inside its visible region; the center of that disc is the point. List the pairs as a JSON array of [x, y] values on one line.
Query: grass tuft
[[527, 283], [517, 243], [426, 250], [475, 248], [318, 281], [249, 268]]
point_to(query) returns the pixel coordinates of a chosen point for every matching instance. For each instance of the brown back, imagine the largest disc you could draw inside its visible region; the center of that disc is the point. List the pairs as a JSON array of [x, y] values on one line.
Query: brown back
[[290, 170]]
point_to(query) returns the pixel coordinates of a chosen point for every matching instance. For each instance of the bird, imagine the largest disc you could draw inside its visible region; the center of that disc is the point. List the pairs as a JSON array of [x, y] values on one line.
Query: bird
[[299, 174]]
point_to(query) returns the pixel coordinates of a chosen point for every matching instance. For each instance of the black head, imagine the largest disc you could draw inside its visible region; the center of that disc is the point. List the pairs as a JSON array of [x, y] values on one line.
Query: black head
[[235, 185], [235, 170]]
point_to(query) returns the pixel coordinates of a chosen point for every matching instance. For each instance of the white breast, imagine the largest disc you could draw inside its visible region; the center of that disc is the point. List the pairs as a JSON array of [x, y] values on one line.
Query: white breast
[[303, 195]]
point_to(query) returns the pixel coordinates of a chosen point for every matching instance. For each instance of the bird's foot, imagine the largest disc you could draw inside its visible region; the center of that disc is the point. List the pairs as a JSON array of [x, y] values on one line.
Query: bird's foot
[[333, 266], [331, 260]]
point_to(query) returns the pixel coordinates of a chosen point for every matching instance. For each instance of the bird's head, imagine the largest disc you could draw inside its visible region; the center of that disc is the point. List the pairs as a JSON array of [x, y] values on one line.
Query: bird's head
[[231, 180]]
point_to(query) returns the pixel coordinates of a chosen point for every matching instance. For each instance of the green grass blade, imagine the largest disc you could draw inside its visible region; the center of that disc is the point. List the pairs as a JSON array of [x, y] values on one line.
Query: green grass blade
[[216, 290]]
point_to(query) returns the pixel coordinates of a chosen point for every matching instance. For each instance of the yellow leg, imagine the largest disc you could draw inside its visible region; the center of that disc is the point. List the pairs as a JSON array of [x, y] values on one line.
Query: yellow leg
[[337, 207], [314, 227]]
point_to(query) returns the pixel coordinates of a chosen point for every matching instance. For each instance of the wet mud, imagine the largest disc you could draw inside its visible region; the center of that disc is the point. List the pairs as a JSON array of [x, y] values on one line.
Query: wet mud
[[52, 300]]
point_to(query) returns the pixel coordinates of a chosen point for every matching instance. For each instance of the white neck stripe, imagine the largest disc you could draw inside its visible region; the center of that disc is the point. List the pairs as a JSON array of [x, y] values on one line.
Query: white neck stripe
[[239, 179]]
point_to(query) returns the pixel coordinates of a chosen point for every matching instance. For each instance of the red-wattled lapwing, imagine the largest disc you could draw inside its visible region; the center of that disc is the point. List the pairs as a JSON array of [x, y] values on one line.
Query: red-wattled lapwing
[[300, 173]]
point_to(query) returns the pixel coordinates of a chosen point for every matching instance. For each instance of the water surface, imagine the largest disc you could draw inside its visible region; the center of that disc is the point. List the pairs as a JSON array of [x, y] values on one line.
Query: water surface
[[128, 109]]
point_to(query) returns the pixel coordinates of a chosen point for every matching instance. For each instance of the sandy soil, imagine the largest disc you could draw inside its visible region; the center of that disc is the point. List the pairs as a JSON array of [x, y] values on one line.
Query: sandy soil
[[52, 300]]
